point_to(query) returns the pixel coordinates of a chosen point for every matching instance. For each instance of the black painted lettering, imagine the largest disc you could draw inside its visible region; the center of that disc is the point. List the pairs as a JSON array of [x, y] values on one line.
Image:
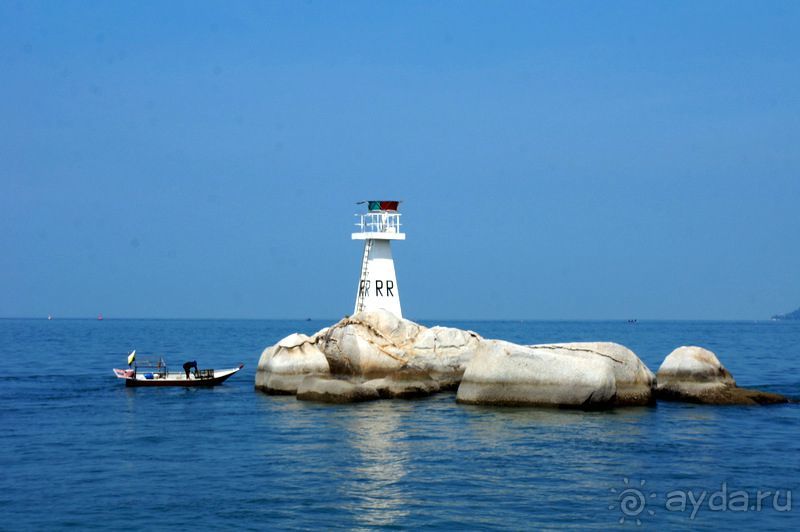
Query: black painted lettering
[[389, 286], [379, 288]]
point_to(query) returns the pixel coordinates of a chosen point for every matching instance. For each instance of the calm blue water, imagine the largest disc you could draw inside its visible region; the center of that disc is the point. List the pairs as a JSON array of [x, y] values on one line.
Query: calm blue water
[[78, 449]]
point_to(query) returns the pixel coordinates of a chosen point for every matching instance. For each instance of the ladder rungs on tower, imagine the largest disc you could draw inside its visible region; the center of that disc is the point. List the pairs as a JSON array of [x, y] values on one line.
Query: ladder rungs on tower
[[364, 264]]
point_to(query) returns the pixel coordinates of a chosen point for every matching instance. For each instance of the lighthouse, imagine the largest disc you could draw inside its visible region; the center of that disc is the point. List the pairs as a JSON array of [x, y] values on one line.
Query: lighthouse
[[377, 285]]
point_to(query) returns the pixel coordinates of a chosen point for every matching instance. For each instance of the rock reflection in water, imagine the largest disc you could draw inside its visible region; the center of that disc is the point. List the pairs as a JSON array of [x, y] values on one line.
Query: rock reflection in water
[[373, 487]]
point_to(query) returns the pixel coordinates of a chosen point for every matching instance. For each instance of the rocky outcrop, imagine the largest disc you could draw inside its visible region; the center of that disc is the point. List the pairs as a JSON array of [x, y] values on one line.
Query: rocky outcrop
[[329, 390], [403, 384], [502, 373], [373, 343], [407, 383], [397, 357], [283, 366], [634, 381], [384, 356], [377, 343], [693, 374], [375, 355], [443, 353]]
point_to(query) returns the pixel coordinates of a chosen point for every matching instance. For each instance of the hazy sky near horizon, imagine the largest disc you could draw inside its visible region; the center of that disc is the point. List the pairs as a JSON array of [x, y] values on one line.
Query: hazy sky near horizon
[[556, 160]]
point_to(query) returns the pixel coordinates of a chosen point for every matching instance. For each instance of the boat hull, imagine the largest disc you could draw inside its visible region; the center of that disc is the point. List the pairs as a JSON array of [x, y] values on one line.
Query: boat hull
[[134, 382]]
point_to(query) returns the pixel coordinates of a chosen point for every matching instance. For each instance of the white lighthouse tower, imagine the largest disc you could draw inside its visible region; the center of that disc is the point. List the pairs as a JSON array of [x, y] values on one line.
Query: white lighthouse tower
[[377, 287]]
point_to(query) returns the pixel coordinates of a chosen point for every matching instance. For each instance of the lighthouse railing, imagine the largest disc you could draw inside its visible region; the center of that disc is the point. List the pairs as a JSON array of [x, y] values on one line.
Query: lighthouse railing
[[379, 222]]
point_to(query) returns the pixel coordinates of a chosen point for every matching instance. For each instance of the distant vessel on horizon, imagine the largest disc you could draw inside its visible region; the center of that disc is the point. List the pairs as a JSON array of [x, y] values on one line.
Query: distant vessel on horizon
[[49, 317], [100, 317]]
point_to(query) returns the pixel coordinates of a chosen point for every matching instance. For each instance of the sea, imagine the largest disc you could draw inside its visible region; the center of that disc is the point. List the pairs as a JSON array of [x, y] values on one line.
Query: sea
[[80, 450]]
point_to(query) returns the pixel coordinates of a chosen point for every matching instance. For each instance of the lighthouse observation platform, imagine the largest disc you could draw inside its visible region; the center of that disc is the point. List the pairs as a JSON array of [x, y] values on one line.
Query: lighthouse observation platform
[[378, 225]]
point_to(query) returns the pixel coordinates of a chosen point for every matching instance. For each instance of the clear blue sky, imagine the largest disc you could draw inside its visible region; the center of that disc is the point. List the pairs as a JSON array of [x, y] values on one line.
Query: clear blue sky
[[556, 159]]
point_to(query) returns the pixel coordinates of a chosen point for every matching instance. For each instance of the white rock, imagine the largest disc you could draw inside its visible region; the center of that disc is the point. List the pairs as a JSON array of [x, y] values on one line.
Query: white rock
[[693, 374], [692, 371], [405, 383], [693, 366], [444, 352], [328, 390], [371, 343], [502, 373], [283, 366], [634, 380]]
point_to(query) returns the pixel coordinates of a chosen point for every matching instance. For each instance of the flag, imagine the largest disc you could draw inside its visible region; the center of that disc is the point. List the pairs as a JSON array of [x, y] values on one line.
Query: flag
[[132, 357]]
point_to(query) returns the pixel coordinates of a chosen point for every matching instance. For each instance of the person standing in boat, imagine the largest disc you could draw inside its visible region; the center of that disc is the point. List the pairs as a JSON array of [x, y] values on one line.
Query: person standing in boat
[[189, 365]]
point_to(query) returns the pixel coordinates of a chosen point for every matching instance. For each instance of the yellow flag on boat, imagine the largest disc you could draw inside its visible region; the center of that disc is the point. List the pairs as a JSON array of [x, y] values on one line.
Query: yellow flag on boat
[[132, 357]]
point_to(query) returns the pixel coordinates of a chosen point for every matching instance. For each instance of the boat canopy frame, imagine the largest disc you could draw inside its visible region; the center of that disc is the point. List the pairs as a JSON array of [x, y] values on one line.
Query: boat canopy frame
[[151, 365], [158, 366]]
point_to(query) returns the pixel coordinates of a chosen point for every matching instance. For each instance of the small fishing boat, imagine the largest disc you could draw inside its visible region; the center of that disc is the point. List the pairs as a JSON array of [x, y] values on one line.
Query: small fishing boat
[[154, 372]]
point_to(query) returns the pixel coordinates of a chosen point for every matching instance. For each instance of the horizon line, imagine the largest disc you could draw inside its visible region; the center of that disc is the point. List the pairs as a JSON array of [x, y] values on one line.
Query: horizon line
[[417, 319]]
